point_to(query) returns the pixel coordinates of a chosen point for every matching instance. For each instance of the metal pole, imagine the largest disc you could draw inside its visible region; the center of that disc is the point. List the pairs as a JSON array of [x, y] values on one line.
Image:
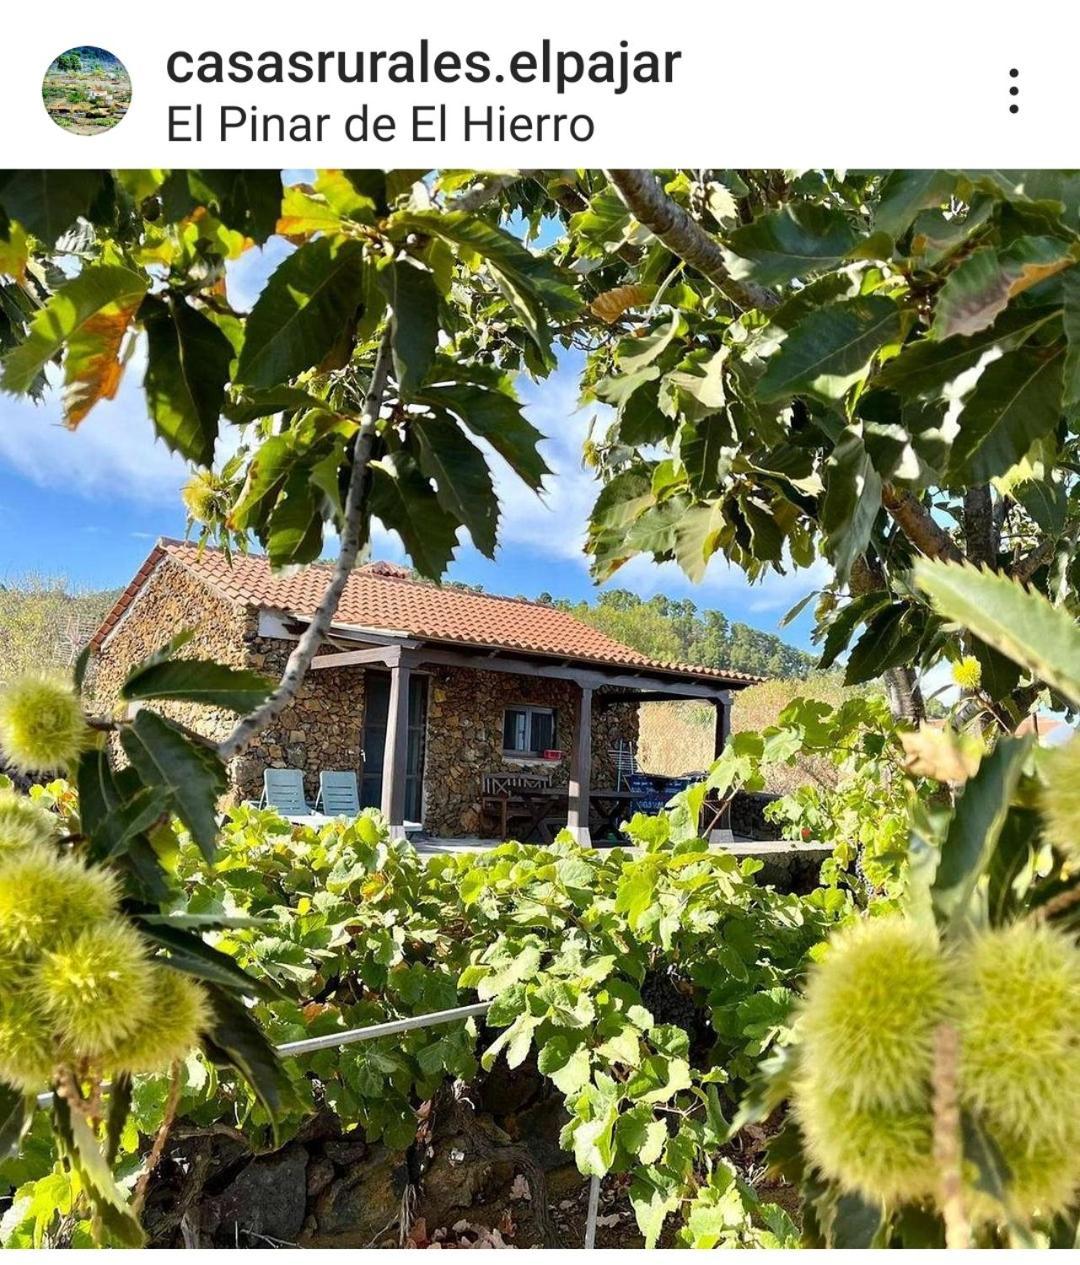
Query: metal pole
[[594, 1205], [332, 1040]]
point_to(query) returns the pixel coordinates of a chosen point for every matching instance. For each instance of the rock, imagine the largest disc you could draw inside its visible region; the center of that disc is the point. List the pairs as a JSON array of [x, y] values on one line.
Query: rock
[[320, 1173], [356, 1209], [268, 1198], [538, 1127], [346, 1151], [455, 1186], [504, 1091]]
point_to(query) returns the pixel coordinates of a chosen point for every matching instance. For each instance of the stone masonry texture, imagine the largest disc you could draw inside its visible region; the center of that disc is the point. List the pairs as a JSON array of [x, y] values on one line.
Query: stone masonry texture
[[322, 729]]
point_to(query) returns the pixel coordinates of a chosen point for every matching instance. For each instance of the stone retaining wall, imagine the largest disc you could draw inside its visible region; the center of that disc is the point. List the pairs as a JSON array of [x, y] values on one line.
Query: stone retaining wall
[[748, 819]]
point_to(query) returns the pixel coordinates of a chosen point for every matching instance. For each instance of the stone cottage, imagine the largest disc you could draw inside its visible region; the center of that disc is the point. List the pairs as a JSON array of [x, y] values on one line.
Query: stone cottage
[[440, 699]]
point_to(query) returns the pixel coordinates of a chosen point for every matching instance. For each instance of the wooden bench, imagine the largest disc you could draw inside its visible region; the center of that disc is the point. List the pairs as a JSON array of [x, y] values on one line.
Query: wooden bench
[[503, 793]]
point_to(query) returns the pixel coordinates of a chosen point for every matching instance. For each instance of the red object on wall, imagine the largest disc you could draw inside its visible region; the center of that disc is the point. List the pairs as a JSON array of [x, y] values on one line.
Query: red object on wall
[[551, 754]]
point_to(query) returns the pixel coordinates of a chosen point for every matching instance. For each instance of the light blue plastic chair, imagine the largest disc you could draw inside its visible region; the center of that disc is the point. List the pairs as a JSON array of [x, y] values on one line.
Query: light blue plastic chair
[[338, 794], [283, 790]]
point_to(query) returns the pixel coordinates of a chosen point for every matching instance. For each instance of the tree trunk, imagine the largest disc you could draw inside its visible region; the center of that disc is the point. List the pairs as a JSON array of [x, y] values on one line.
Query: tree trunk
[[901, 686]]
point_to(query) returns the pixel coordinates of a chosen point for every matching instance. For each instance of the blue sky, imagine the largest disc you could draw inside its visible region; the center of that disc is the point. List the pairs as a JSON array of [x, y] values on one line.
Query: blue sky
[[88, 505]]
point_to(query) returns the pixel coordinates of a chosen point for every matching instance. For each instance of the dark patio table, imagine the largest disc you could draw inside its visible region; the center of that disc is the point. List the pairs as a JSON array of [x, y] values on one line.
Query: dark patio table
[[544, 810]]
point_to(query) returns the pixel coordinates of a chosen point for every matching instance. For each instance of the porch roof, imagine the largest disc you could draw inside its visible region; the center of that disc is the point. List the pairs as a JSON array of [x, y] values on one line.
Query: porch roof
[[382, 599]]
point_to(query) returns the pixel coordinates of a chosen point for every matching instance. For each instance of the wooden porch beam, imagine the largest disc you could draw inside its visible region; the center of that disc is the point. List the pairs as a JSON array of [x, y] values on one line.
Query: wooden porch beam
[[350, 658], [590, 676], [653, 696], [577, 814]]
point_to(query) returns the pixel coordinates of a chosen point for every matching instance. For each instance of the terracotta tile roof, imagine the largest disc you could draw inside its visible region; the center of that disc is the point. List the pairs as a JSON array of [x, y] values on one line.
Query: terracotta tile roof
[[381, 597]]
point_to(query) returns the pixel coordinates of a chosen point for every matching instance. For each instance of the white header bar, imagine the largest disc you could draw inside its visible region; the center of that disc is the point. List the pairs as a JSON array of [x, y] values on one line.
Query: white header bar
[[496, 85]]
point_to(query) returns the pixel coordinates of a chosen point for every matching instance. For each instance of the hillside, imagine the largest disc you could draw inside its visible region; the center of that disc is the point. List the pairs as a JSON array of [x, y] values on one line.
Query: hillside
[[45, 625], [668, 628]]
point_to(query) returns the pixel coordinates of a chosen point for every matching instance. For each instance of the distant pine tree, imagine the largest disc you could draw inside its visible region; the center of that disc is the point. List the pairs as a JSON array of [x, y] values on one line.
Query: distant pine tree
[[675, 629]]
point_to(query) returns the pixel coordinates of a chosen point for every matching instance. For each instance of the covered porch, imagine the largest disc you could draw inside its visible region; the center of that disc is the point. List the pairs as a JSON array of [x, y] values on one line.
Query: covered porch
[[578, 795]]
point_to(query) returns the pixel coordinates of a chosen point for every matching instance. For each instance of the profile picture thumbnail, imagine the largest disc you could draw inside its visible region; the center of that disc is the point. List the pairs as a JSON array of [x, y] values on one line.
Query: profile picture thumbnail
[[86, 90]]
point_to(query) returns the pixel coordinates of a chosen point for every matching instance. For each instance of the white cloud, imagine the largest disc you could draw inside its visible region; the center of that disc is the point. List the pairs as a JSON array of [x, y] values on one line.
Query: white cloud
[[113, 454], [555, 521]]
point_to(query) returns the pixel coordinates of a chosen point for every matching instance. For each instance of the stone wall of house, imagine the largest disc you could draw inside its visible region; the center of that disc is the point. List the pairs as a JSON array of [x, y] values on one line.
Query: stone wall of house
[[323, 727], [320, 729], [465, 740], [171, 600]]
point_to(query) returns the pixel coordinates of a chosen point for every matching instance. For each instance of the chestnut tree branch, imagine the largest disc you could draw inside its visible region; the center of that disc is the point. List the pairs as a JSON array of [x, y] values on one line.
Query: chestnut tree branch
[[979, 531], [352, 536], [646, 200], [919, 525], [1027, 566]]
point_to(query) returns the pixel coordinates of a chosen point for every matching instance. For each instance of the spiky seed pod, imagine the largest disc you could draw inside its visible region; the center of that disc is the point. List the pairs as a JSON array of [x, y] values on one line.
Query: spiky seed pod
[[205, 497], [872, 1004], [42, 726], [1061, 799], [1043, 1182], [178, 1016], [44, 895], [967, 673], [28, 1052], [880, 1153], [96, 987], [1019, 1023], [24, 823]]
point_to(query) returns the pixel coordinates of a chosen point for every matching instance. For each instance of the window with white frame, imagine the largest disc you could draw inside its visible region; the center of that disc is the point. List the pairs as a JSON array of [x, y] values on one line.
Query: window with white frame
[[528, 731]]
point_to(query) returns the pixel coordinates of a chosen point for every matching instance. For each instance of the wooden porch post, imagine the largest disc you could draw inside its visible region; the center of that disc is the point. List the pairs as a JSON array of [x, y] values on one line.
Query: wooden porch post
[[577, 816], [721, 729], [396, 752], [722, 725]]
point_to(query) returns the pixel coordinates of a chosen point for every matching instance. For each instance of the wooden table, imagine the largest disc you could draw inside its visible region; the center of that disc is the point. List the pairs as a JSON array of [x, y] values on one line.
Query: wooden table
[[611, 807], [542, 810]]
